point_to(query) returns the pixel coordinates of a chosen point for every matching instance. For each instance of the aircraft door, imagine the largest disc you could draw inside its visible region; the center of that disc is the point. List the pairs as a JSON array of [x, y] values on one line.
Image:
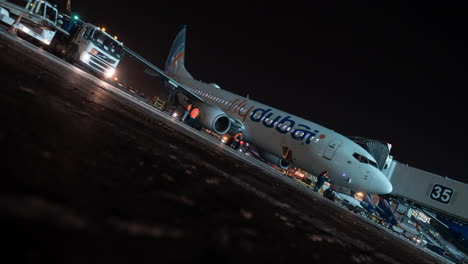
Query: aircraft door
[[331, 148]]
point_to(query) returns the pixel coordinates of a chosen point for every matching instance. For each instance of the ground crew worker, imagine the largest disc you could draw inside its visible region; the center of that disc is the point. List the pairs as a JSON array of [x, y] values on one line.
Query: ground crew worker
[[237, 140], [188, 107], [192, 115], [321, 179]]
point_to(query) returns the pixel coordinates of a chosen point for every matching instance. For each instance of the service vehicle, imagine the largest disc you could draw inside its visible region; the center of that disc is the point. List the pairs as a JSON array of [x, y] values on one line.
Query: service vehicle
[[68, 37], [87, 45]]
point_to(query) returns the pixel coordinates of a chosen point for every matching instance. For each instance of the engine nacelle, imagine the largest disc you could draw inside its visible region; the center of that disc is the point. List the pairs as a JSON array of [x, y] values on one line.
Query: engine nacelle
[[214, 119], [267, 156]]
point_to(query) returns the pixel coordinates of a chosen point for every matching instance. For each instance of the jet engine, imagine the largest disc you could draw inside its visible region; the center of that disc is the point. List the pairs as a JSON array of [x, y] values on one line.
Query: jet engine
[[267, 156], [213, 119]]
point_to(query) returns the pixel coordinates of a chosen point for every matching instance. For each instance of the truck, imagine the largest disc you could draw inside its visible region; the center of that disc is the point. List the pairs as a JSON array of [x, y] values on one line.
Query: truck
[[39, 19], [88, 46], [70, 38]]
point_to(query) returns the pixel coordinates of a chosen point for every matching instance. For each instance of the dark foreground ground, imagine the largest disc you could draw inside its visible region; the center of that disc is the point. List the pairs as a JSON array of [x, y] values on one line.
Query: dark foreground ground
[[90, 177]]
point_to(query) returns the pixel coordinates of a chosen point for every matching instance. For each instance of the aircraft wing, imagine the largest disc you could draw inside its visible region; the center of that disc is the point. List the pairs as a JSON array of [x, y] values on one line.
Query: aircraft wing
[[172, 84], [181, 89]]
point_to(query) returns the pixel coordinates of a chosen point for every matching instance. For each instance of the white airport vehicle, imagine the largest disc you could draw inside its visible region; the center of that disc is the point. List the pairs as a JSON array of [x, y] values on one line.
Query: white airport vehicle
[[87, 45], [70, 38], [39, 20], [282, 138]]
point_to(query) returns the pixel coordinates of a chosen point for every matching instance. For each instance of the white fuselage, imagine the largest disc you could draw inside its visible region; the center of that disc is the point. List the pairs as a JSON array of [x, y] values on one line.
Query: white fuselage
[[311, 147]]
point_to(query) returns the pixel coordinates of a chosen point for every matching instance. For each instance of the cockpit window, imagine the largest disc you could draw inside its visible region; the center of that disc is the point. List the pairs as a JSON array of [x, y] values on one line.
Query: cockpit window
[[363, 159]]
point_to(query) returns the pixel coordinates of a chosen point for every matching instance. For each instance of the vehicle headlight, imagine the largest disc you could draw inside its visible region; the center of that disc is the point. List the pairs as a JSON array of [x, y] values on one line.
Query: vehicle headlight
[[25, 29], [109, 72], [85, 57]]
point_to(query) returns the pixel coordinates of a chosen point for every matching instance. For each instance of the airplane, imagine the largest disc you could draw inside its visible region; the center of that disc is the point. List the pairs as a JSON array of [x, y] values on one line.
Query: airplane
[[281, 138]]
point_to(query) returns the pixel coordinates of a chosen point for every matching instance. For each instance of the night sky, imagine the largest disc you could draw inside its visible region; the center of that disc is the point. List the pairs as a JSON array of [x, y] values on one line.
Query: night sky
[[393, 73]]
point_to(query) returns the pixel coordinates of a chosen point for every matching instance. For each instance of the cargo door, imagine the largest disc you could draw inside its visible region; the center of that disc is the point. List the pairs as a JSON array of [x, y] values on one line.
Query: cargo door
[[331, 148]]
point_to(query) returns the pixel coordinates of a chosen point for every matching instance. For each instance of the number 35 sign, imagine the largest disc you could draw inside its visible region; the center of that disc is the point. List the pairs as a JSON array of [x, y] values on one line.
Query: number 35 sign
[[441, 194]]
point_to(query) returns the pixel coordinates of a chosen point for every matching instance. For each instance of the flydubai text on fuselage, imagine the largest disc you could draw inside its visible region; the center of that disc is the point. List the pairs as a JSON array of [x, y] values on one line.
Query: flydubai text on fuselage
[[301, 142]]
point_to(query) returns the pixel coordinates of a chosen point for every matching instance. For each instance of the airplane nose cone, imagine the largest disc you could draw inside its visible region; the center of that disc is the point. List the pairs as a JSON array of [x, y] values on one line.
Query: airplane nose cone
[[382, 185]]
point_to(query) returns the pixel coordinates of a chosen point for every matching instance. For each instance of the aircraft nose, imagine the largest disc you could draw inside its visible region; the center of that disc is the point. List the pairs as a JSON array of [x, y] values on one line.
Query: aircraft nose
[[381, 184]]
